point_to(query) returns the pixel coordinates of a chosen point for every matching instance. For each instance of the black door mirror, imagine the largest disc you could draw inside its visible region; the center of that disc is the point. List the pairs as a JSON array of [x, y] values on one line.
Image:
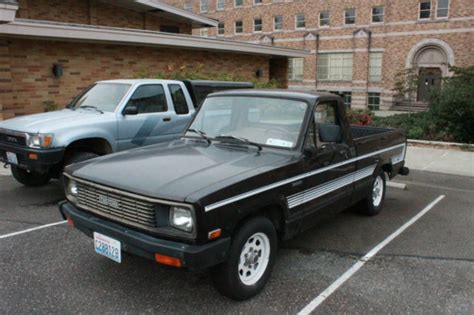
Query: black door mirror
[[130, 110]]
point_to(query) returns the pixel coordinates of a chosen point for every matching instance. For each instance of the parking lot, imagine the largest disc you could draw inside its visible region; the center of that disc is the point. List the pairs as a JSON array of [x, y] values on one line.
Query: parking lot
[[427, 268]]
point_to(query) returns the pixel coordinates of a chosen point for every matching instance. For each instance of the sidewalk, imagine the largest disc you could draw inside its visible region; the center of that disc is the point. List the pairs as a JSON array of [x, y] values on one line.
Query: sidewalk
[[4, 171], [440, 161]]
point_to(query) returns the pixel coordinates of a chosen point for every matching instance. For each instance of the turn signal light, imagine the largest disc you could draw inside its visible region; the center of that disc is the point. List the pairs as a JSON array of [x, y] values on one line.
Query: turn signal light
[[214, 234], [168, 260], [33, 156]]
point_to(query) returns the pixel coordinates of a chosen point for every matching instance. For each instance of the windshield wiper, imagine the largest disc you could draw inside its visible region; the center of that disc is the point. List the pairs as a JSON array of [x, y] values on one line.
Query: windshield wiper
[[93, 107], [201, 133], [240, 140]]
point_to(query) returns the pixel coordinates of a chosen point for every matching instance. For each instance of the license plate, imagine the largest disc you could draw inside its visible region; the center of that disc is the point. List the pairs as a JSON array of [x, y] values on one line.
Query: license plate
[[11, 157], [107, 247]]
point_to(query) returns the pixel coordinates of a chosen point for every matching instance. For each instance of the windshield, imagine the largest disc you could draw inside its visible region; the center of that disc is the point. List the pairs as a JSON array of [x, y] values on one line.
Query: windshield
[[262, 120], [102, 96]]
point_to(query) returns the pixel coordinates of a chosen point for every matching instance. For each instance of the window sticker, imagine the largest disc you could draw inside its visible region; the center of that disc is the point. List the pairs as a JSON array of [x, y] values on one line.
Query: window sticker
[[279, 143]]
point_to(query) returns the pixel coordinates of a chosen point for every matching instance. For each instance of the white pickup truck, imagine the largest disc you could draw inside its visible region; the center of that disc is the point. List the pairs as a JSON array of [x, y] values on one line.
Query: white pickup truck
[[107, 117]]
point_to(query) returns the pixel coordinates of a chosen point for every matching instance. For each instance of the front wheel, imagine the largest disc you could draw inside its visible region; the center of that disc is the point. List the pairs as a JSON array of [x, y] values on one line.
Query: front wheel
[[251, 258], [30, 178]]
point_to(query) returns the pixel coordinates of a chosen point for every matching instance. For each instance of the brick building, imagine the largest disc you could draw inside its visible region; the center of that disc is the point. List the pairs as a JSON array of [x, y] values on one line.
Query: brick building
[[52, 49], [357, 46]]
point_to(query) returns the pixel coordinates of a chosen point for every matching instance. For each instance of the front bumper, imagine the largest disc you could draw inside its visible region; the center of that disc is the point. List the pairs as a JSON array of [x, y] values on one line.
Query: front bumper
[[47, 158], [193, 257]]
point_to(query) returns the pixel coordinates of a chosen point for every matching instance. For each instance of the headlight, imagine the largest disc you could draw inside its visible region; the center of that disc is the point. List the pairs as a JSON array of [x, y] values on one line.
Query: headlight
[[71, 191], [39, 140], [181, 218]]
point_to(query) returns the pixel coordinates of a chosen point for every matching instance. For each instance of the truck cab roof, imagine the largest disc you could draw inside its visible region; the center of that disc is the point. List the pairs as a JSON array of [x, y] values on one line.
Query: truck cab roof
[[310, 96]]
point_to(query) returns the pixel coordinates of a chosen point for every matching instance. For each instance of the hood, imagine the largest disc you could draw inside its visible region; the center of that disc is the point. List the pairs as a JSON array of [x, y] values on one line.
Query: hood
[[175, 170], [51, 121]]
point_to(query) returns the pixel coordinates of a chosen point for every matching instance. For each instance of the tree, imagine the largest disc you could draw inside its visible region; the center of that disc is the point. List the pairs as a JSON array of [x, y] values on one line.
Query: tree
[[406, 85]]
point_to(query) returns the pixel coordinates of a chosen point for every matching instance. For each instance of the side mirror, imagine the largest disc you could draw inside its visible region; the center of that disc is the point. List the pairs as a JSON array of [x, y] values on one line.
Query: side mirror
[[130, 110]]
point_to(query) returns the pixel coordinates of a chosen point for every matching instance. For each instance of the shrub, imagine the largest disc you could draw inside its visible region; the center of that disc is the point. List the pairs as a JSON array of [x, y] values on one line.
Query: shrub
[[360, 117], [452, 107]]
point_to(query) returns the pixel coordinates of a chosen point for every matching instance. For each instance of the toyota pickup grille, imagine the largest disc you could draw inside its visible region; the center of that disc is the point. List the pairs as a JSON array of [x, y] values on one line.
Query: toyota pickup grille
[[116, 205], [12, 139]]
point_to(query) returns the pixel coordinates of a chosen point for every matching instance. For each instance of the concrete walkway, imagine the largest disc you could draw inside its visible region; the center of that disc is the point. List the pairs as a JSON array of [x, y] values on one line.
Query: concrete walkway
[[4, 171], [440, 161]]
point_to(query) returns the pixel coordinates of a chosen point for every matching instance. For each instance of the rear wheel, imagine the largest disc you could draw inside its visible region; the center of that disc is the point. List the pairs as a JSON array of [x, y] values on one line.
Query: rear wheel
[[373, 203], [30, 178], [251, 258]]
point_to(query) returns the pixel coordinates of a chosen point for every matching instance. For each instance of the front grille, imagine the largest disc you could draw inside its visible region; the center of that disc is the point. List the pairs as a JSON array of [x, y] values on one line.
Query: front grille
[[116, 205], [12, 139]]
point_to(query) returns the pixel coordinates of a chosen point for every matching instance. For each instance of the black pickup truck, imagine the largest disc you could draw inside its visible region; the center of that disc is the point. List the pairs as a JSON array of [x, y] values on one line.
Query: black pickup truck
[[254, 168]]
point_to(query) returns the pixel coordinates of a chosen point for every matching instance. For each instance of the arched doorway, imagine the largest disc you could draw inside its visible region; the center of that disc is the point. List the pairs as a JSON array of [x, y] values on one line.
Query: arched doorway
[[431, 62]]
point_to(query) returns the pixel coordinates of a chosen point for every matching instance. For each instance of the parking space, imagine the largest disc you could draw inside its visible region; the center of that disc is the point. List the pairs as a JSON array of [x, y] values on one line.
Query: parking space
[[428, 268]]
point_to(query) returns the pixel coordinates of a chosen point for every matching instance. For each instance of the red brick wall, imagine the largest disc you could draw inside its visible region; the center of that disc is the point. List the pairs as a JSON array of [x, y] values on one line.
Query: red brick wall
[[26, 79], [95, 13]]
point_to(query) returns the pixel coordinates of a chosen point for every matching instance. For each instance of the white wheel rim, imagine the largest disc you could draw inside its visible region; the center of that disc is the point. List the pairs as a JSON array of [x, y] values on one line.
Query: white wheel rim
[[254, 257], [377, 191]]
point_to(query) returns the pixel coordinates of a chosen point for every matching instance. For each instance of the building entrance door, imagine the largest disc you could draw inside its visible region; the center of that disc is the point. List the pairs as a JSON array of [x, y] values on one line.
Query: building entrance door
[[429, 80]]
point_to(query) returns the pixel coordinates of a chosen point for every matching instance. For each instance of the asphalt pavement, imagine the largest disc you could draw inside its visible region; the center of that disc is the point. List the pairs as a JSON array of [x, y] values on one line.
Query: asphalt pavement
[[428, 268]]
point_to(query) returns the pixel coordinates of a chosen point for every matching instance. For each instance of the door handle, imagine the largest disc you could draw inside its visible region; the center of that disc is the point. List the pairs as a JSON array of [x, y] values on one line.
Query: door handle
[[166, 118]]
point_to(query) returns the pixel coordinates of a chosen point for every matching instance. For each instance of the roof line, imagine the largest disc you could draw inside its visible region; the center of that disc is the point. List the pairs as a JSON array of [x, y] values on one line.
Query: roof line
[[88, 33], [180, 12]]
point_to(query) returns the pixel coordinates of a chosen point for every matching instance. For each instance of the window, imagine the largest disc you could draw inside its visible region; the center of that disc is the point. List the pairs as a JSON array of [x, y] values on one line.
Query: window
[[188, 6], [349, 16], [375, 67], [335, 66], [203, 5], [179, 100], [104, 96], [221, 28], [204, 32], [442, 9], [347, 96], [256, 2], [257, 25], [149, 99], [278, 23], [378, 14], [295, 69], [374, 101], [238, 3], [328, 129], [300, 21], [425, 9], [169, 29], [220, 4], [324, 19], [239, 27]]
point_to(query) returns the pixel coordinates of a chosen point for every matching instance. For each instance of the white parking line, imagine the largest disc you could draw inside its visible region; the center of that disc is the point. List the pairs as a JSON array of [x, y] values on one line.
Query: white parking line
[[32, 229], [351, 271]]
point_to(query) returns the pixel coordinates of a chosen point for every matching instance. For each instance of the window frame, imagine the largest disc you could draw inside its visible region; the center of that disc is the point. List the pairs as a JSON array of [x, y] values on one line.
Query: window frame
[[344, 17], [419, 10], [148, 84], [255, 25], [241, 26], [447, 10], [296, 21], [240, 5], [372, 14], [172, 99], [219, 29], [328, 19], [220, 2], [374, 95], [201, 6], [188, 6], [291, 72], [274, 23], [371, 54], [259, 3], [328, 66]]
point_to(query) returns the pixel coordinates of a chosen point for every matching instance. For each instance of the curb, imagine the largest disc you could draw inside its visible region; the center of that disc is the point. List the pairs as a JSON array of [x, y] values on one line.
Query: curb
[[396, 185], [440, 143]]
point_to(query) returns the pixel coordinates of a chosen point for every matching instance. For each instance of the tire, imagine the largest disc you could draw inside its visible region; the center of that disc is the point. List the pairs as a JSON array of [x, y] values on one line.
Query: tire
[[373, 203], [76, 157], [241, 278], [30, 178]]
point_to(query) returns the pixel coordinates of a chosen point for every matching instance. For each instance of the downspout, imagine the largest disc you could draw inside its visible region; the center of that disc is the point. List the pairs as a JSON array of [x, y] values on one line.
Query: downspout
[[369, 46], [316, 62]]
